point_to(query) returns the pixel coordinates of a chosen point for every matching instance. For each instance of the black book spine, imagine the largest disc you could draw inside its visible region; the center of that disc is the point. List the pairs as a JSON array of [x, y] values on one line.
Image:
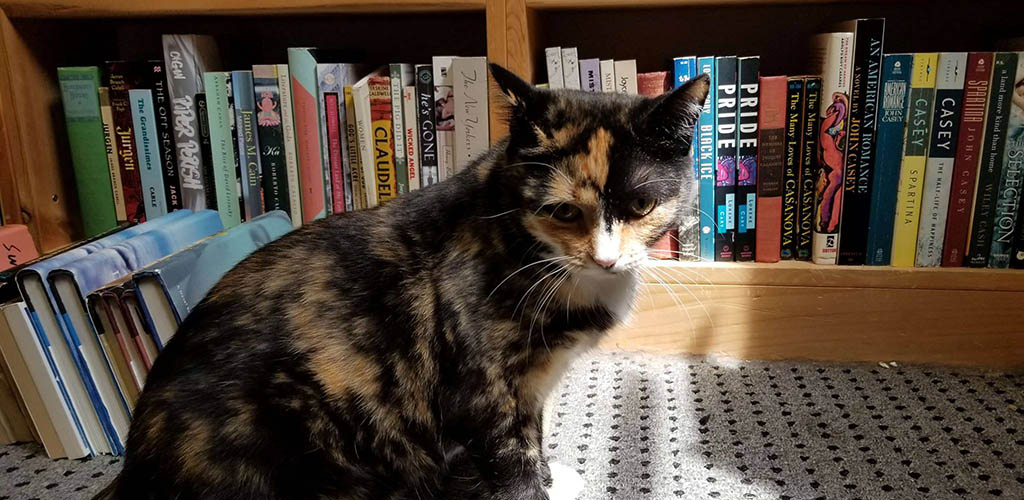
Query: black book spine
[[791, 166], [860, 151], [165, 135], [808, 167], [426, 124], [1017, 256], [271, 139], [746, 159], [990, 169], [725, 161], [206, 149]]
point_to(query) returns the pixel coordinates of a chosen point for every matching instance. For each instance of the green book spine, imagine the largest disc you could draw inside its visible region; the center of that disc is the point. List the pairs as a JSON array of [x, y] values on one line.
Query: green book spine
[[79, 87], [219, 113]]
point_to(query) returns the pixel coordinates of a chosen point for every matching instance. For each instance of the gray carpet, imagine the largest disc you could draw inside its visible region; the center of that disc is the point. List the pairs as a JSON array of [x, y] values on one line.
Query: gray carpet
[[655, 427]]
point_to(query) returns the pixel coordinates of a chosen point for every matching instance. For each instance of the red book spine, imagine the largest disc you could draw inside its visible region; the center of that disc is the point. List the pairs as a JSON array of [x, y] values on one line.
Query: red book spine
[[334, 150], [123, 77], [307, 142], [771, 158], [965, 167], [652, 85]]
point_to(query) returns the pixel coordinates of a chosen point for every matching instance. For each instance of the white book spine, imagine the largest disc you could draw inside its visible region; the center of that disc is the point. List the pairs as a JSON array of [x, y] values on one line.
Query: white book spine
[[412, 142], [570, 68], [938, 173], [401, 75], [832, 57], [608, 75], [291, 159], [361, 100], [471, 120], [553, 56], [444, 100], [625, 77]]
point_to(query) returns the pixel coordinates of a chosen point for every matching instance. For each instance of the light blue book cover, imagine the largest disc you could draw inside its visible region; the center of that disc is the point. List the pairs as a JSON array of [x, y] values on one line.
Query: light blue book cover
[[706, 155], [148, 144], [590, 75], [248, 143], [187, 276], [896, 70], [685, 69]]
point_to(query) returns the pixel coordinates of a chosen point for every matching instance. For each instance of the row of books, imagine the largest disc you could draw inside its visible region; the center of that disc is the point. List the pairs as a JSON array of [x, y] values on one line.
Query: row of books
[[311, 137], [878, 159], [80, 327]]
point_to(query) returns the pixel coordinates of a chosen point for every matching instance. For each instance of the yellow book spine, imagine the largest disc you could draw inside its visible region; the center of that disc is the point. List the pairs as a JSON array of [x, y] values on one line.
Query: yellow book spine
[[381, 136]]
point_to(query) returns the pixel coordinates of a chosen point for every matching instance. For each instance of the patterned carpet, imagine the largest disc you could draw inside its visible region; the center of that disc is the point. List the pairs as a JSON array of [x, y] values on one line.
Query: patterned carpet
[[655, 427]]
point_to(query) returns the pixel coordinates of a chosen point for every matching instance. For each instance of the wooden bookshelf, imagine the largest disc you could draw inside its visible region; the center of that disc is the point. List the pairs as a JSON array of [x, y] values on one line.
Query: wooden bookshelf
[[785, 310]]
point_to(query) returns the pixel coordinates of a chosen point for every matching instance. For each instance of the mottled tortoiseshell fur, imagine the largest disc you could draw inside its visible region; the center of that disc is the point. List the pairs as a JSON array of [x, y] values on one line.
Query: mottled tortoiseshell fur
[[405, 352]]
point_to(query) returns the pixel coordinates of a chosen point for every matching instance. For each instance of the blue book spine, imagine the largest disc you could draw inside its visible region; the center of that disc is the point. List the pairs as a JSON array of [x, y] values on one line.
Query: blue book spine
[[706, 152], [896, 69], [248, 142], [147, 141], [685, 68]]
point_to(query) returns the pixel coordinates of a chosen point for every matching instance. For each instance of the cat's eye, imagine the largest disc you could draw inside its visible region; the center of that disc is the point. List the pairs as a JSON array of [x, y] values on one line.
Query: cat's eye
[[640, 207], [564, 212]]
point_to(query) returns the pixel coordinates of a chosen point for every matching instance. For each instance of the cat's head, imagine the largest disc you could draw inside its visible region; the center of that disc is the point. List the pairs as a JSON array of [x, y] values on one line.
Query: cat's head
[[603, 176]]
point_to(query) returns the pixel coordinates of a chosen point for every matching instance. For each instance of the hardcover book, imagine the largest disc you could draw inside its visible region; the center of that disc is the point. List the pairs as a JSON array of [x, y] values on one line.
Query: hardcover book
[[1006, 219], [771, 163], [892, 115], [270, 132], [444, 115], [338, 174], [915, 151], [590, 75], [685, 68], [186, 59], [131, 314], [625, 77], [113, 331], [148, 147], [810, 160], [607, 75], [165, 135], [411, 132], [570, 68], [248, 143], [706, 158], [291, 155], [124, 76], [306, 105], [746, 158], [793, 148], [652, 85], [79, 88], [938, 174], [425, 124], [472, 135], [861, 137], [553, 59], [990, 168], [402, 75], [725, 148], [113, 166], [968, 155], [221, 119]]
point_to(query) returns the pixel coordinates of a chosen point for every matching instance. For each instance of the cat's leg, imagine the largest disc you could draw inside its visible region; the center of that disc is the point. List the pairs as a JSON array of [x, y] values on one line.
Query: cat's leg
[[545, 468], [507, 454]]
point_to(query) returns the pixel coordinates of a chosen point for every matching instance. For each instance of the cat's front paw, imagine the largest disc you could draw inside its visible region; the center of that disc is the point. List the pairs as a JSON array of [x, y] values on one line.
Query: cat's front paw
[[545, 472], [526, 489]]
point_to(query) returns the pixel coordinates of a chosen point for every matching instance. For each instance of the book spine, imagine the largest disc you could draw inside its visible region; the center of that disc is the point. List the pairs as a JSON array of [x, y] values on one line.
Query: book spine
[[383, 144], [205, 149], [331, 106], [248, 142], [291, 155], [147, 143], [684, 69], [861, 137], [186, 58], [892, 115], [915, 151], [306, 114], [990, 169], [412, 143], [833, 54], [82, 113], [425, 124], [349, 73], [271, 138], [938, 174], [725, 161], [771, 163], [570, 68], [608, 75], [444, 115], [625, 77], [968, 154], [355, 166], [222, 146], [794, 133], [1006, 223], [361, 101], [706, 164], [113, 168], [1017, 256], [127, 154], [472, 137], [810, 162], [590, 75], [398, 126], [746, 158], [165, 136], [553, 58]]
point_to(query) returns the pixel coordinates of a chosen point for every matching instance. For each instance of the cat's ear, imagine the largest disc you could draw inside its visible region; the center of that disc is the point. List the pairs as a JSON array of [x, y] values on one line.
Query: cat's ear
[[669, 125], [520, 94]]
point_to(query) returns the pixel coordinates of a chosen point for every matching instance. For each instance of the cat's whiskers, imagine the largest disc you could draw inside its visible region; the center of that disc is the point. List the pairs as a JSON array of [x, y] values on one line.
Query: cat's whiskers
[[686, 288], [545, 301], [652, 181], [671, 293], [495, 216], [549, 260]]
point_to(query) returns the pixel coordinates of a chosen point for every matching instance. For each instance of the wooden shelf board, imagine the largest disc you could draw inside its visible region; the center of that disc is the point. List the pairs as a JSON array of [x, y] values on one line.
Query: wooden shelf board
[[628, 4], [149, 8], [806, 274]]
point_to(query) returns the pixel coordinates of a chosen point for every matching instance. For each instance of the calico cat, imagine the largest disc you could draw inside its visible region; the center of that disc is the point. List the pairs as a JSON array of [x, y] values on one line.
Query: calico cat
[[405, 352]]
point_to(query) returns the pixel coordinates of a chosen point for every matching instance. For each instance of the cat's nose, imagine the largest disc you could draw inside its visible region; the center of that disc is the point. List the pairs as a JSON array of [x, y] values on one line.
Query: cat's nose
[[605, 261]]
